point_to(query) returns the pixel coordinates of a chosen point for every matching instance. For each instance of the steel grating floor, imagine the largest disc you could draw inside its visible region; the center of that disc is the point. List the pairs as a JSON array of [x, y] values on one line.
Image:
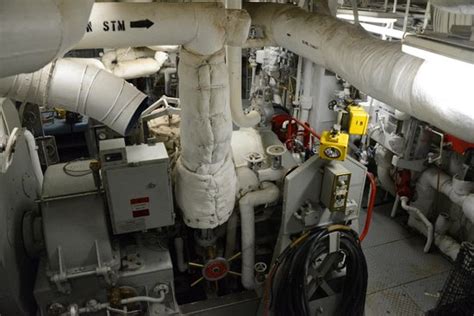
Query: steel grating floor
[[403, 280]]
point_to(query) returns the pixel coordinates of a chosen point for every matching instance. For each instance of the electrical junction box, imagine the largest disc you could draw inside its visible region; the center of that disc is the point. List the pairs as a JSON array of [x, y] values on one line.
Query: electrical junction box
[[137, 183], [333, 146], [335, 187], [358, 120]]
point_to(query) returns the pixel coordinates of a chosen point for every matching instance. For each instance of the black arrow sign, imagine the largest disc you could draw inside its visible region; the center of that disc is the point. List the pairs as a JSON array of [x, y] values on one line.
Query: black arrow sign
[[141, 24]]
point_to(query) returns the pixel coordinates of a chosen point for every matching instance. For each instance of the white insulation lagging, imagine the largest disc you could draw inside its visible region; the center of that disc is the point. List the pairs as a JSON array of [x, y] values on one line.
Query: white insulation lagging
[[33, 33], [205, 176], [455, 6], [80, 88], [268, 193], [429, 91]]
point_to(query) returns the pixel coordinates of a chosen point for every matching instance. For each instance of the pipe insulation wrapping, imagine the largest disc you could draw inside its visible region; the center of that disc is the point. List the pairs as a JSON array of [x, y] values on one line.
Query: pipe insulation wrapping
[[202, 27], [80, 88], [455, 6], [426, 90], [206, 182], [33, 33]]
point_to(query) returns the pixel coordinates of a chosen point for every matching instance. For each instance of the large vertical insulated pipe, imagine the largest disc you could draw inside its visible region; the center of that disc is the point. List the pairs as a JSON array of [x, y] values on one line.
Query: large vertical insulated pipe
[[206, 182], [426, 90], [33, 33]]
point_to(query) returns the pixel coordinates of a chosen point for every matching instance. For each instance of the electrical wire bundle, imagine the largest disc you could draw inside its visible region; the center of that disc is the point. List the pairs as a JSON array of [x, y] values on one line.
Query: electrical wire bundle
[[287, 282]]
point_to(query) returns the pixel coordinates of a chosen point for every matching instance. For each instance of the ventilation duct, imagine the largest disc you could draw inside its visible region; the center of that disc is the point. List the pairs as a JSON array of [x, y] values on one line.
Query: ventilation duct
[[81, 88], [429, 91], [32, 33]]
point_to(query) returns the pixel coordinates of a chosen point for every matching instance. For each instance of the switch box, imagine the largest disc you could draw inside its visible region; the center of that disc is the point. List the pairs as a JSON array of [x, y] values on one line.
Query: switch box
[[358, 120], [335, 187], [137, 183]]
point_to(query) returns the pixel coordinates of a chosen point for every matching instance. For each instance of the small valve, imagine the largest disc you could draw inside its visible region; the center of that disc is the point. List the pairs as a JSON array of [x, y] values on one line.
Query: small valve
[[276, 152], [254, 160]]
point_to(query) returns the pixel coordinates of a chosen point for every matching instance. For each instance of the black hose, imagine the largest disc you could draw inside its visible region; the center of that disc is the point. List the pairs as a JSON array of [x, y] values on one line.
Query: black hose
[[290, 293]]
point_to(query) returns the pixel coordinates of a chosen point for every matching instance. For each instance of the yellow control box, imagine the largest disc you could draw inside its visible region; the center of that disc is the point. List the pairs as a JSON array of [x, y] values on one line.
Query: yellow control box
[[358, 120], [333, 146]]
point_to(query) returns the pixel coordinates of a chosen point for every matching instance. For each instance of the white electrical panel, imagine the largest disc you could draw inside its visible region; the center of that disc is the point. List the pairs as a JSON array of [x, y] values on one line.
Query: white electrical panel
[[138, 185]]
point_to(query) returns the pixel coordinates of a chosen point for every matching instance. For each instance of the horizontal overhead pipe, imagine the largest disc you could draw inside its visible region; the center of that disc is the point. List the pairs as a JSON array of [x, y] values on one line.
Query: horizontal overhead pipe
[[201, 27], [455, 6], [80, 88], [426, 90], [33, 33]]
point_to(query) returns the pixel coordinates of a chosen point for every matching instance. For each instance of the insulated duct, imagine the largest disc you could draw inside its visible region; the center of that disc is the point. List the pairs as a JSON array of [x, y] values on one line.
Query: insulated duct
[[426, 90], [80, 88], [33, 33]]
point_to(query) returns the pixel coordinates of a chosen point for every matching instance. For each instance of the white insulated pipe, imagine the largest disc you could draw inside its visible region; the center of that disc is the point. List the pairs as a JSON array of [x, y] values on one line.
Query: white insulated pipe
[[306, 100], [35, 162], [202, 27], [379, 68], [80, 88], [455, 6], [206, 182], [269, 193], [429, 226], [234, 64], [33, 33], [458, 191]]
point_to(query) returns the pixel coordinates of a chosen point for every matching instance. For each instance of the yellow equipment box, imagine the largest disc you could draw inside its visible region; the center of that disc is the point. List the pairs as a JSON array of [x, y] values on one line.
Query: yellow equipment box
[[358, 120], [333, 146]]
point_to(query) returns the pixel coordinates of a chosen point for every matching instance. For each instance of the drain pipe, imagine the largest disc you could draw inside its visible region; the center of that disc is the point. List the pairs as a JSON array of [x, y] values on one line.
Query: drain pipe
[[234, 64], [422, 217], [378, 68], [269, 193], [80, 88], [458, 191], [33, 151], [33, 33]]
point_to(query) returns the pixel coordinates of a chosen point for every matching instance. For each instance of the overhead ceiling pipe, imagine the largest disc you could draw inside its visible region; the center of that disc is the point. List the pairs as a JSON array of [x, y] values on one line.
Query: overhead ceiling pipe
[[455, 6], [202, 27], [80, 88], [429, 91], [33, 33]]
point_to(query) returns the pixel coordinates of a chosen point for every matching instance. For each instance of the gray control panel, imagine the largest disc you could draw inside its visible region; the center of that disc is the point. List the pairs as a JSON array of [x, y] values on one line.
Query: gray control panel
[[137, 182]]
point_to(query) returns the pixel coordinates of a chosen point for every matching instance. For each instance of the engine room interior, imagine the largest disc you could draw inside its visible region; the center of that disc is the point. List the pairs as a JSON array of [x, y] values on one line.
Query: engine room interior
[[229, 157]]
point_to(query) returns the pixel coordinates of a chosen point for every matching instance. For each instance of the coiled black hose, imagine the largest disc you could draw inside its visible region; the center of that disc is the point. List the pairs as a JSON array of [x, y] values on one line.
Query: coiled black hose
[[289, 287]]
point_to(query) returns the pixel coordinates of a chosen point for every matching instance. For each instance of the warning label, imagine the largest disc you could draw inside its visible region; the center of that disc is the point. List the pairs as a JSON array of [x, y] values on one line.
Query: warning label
[[140, 206]]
